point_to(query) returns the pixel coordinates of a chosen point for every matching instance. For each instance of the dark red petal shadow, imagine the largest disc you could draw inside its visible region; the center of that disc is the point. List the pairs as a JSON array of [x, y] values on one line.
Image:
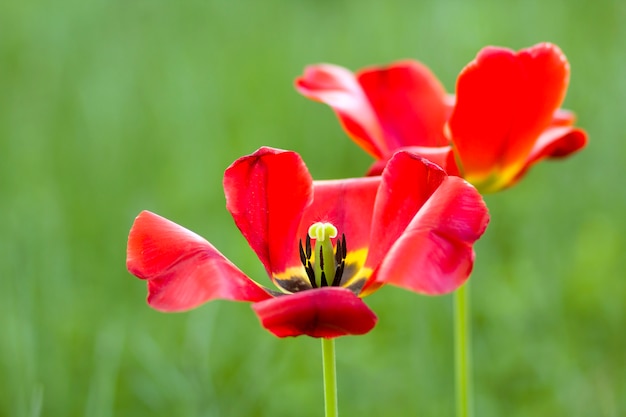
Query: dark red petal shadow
[[410, 103], [434, 255], [182, 269], [338, 88], [324, 312], [266, 193]]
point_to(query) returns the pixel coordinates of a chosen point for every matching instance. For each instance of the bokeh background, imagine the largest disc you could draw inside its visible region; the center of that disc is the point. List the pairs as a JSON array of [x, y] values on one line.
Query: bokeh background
[[109, 107]]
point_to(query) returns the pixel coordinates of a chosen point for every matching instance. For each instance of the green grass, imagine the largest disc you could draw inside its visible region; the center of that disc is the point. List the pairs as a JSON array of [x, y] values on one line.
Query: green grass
[[111, 107]]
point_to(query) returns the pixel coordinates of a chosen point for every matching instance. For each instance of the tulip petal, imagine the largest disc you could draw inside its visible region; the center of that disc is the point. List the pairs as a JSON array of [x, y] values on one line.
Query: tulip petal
[[324, 312], [563, 117], [182, 269], [347, 204], [555, 142], [504, 101], [406, 184], [338, 88], [442, 156], [266, 193], [410, 103], [434, 255]]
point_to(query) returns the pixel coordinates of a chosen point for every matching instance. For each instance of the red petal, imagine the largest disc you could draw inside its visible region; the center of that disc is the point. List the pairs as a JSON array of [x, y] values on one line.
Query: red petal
[[410, 103], [407, 183], [504, 102], [266, 193], [438, 155], [183, 270], [555, 142], [558, 142], [434, 254], [347, 204], [338, 88], [324, 312]]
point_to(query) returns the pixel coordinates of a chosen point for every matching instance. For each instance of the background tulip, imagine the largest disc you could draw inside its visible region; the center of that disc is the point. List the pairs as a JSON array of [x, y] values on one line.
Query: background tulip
[[111, 107]]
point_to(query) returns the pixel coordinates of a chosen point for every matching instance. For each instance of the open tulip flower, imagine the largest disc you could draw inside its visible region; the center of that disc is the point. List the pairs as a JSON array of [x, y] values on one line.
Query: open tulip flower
[[324, 244], [504, 118]]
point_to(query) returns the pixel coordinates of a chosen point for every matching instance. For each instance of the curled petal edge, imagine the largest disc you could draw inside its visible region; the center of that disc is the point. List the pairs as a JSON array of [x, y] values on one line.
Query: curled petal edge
[[182, 269], [435, 253], [555, 142], [339, 88]]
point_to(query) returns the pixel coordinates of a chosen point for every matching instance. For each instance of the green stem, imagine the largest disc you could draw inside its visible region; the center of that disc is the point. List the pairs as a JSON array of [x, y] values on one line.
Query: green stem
[[463, 358], [330, 377]]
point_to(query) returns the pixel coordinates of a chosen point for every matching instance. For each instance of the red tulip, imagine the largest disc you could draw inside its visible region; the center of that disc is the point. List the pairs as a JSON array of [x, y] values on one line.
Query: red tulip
[[324, 244], [505, 116]]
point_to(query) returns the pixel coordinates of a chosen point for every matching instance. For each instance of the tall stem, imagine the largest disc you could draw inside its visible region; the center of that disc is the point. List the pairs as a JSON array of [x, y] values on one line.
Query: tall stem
[[330, 377], [463, 357]]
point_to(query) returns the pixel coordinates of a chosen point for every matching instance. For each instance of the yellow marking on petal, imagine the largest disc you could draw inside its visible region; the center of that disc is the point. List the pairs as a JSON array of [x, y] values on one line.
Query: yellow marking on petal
[[372, 288], [486, 184], [355, 271], [291, 280], [496, 180]]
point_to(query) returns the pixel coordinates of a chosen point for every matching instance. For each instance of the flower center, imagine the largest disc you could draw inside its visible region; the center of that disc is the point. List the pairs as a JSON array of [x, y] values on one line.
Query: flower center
[[328, 264]]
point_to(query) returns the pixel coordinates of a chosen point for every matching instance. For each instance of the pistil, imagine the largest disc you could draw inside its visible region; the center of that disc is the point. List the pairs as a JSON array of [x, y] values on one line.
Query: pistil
[[329, 264], [322, 233]]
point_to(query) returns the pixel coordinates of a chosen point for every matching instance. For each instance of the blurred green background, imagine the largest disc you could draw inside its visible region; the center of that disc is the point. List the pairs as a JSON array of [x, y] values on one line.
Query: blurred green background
[[109, 107]]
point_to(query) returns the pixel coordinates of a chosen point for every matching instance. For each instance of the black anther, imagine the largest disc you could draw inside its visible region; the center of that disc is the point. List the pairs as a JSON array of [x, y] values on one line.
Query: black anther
[[323, 282], [303, 257], [338, 252], [308, 246], [310, 273], [338, 274], [341, 252]]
